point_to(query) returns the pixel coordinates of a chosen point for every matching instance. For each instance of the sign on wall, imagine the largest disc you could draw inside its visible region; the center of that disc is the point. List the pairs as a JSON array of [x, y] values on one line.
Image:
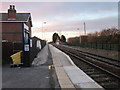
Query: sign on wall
[[30, 42], [38, 44], [26, 47], [26, 27]]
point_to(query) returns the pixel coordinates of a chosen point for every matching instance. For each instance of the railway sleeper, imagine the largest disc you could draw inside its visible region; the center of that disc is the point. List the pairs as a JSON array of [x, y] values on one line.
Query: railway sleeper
[[110, 85], [92, 72], [105, 79], [86, 68], [97, 75]]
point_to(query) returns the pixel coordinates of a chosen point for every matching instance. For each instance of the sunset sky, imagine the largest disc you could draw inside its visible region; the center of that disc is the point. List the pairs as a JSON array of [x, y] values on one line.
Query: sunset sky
[[65, 17]]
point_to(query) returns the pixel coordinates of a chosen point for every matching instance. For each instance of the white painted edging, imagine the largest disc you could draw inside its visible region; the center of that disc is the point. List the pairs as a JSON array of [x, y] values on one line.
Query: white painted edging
[[69, 59]]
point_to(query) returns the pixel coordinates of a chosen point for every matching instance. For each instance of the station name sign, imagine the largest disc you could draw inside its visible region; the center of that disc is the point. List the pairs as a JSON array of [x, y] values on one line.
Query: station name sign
[[26, 27]]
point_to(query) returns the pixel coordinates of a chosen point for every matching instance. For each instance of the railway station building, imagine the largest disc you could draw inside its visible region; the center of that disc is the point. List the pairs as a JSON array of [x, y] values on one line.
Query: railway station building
[[16, 31], [14, 25]]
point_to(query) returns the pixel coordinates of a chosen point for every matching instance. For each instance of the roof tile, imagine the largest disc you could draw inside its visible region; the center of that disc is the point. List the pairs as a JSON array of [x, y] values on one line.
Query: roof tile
[[22, 17]]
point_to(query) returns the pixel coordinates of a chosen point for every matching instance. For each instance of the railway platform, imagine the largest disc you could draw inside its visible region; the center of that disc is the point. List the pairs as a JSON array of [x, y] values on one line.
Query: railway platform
[[69, 75]]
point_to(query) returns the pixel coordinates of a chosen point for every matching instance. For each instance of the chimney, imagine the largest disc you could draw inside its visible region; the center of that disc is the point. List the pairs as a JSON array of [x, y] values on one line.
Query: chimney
[[12, 13]]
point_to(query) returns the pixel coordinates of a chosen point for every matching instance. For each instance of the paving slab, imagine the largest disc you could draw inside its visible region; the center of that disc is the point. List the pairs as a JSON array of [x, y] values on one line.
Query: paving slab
[[63, 78]]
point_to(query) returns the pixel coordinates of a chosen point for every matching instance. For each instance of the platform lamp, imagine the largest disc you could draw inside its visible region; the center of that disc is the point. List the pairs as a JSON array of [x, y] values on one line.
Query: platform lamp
[[42, 27]]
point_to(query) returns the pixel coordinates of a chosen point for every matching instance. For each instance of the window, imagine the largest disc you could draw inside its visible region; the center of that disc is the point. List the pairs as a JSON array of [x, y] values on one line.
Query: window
[[26, 37]]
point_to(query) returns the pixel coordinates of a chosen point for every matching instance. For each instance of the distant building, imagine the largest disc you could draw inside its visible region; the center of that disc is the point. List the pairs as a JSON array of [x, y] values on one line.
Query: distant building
[[83, 39], [14, 25]]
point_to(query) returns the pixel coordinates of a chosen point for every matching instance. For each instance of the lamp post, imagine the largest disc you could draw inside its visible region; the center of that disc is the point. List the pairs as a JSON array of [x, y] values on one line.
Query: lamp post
[[78, 29], [42, 28], [45, 34], [79, 36]]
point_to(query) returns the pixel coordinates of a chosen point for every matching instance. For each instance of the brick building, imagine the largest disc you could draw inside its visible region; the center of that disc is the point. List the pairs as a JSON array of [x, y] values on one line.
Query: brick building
[[83, 39], [16, 31], [14, 25]]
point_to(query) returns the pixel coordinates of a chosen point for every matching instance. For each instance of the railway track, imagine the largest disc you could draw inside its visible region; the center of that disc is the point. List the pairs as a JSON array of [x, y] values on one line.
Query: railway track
[[101, 69], [98, 57]]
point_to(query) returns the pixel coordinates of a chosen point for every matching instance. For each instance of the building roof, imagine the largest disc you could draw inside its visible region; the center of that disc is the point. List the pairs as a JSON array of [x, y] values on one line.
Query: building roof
[[20, 17]]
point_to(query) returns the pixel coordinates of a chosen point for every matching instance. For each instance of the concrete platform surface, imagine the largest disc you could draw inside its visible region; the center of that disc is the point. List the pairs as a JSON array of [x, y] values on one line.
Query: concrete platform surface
[[26, 77], [35, 77], [69, 74], [60, 60], [42, 57]]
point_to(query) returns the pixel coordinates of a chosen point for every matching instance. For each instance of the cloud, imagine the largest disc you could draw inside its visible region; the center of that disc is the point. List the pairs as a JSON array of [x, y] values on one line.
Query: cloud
[[68, 16], [99, 24], [91, 25]]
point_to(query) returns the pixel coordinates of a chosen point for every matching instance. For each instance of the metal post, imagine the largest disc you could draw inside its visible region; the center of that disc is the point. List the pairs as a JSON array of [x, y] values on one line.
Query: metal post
[[45, 34], [78, 28], [84, 29], [42, 28]]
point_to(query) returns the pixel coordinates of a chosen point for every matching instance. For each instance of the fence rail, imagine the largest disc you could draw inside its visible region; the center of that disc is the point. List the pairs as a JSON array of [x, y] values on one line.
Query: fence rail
[[114, 47]]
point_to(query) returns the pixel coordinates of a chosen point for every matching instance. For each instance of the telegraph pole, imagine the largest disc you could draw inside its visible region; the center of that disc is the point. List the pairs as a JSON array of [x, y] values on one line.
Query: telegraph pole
[[84, 29], [79, 31]]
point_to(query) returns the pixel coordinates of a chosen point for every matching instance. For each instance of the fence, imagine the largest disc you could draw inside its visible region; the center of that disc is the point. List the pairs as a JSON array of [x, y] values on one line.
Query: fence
[[17, 47], [114, 47], [9, 48]]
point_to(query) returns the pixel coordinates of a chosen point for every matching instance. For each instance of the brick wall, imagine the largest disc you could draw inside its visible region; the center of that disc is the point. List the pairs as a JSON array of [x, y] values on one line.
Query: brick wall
[[12, 31]]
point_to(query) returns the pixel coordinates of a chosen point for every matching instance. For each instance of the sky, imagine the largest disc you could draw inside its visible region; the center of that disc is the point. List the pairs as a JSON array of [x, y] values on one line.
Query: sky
[[67, 18]]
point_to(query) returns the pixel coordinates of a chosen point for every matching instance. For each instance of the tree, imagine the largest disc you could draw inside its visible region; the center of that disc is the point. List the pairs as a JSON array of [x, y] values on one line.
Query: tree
[[110, 35], [75, 40], [63, 38], [55, 37]]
